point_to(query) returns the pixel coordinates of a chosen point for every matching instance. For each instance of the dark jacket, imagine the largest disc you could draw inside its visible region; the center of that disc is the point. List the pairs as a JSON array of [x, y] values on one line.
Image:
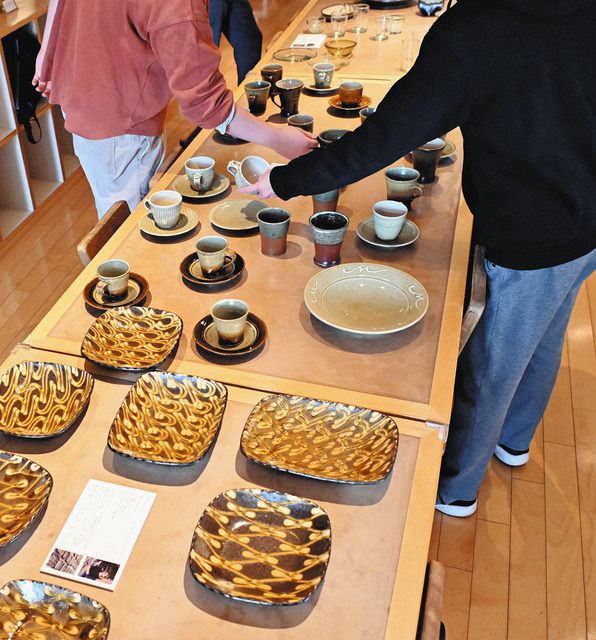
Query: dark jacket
[[519, 78]]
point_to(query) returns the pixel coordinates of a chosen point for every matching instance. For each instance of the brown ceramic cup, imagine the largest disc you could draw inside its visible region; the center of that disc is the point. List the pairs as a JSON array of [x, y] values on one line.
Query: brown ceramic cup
[[230, 316], [402, 185], [302, 121], [257, 94], [426, 158], [272, 73], [274, 223], [325, 201], [350, 93], [289, 94], [328, 230]]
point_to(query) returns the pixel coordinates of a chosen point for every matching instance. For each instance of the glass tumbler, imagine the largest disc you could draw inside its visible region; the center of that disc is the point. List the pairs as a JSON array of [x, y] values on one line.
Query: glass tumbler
[[315, 24], [410, 47], [338, 25], [360, 21], [380, 32], [394, 23]]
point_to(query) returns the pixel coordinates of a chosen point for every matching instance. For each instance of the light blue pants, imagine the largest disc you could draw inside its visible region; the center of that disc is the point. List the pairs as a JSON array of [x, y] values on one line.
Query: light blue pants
[[508, 368]]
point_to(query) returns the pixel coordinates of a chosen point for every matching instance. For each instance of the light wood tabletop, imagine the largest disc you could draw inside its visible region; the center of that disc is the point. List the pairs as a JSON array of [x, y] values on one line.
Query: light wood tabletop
[[380, 533]]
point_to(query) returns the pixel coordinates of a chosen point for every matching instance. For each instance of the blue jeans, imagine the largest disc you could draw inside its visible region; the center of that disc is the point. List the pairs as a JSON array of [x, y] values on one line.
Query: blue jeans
[[508, 368], [235, 19]]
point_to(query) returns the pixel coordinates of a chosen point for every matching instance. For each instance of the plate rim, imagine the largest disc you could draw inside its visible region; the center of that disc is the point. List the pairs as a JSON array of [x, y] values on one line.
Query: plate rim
[[171, 233], [389, 246], [137, 277], [360, 331], [357, 108], [201, 196], [237, 229]]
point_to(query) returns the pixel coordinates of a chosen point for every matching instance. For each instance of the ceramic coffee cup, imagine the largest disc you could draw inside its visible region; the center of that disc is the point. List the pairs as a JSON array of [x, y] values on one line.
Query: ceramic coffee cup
[[229, 317], [289, 95], [165, 208], [323, 73], [302, 121], [274, 223], [367, 111], [249, 170], [327, 137], [328, 230], [402, 185], [257, 94], [426, 157], [113, 278], [272, 73], [388, 218], [325, 201], [350, 93], [200, 172], [213, 254]]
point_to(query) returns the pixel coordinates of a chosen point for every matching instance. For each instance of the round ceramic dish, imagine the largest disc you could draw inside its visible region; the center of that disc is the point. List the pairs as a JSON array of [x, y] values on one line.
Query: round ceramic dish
[[408, 234], [207, 341], [236, 215], [294, 55], [182, 186], [335, 102], [188, 221], [223, 279], [138, 288], [366, 299]]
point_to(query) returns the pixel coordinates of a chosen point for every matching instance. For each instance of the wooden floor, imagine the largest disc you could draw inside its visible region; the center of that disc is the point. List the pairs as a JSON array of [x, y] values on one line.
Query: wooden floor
[[522, 568]]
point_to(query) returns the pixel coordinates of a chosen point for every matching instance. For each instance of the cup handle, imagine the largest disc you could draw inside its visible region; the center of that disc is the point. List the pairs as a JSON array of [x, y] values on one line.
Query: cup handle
[[231, 255], [233, 166], [146, 203], [275, 103], [416, 191], [101, 287], [197, 180]]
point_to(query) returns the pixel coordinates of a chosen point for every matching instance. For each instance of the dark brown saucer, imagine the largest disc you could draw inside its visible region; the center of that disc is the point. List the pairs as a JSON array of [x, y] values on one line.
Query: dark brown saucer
[[138, 288], [207, 341], [335, 102], [226, 277]]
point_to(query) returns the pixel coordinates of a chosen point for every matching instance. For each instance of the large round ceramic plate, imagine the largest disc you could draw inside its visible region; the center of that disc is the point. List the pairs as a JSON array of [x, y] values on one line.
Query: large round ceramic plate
[[367, 299], [236, 215], [261, 546]]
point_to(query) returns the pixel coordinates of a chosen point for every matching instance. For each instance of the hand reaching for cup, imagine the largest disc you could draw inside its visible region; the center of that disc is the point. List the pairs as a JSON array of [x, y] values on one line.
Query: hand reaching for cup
[[292, 142], [261, 188]]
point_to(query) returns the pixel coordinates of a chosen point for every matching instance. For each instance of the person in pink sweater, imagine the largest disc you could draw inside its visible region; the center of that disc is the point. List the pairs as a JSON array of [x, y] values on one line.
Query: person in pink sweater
[[113, 68]]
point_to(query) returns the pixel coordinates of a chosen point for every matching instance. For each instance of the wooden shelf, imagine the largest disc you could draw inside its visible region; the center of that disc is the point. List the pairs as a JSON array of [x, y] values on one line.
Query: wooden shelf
[[6, 134], [28, 11], [10, 219], [70, 163], [43, 188]]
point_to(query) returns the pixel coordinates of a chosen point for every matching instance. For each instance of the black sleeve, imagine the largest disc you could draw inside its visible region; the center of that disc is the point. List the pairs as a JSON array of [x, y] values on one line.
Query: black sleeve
[[427, 102]]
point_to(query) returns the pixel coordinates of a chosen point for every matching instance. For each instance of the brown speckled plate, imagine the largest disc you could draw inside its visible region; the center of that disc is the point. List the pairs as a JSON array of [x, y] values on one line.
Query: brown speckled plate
[[132, 338], [324, 440], [42, 399], [43, 611], [261, 546], [168, 418], [207, 341], [25, 488]]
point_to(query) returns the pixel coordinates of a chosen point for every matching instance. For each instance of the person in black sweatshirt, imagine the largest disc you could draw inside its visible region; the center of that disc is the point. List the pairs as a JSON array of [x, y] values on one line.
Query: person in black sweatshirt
[[519, 78]]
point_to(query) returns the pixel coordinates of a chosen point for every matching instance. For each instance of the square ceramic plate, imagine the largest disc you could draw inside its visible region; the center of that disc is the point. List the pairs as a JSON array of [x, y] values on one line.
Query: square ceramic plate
[[261, 546], [132, 338], [168, 418], [25, 488], [42, 399], [323, 440], [42, 611]]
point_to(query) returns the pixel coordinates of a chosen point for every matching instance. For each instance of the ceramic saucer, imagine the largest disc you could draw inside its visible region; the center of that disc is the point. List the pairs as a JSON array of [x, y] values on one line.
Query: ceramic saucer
[[335, 102], [187, 222], [207, 341], [192, 275], [294, 55], [448, 151], [182, 186], [320, 91], [138, 288], [346, 8], [408, 234], [236, 215]]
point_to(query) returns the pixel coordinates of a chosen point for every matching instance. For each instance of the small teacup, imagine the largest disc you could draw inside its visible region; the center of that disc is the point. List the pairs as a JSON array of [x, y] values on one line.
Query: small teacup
[[113, 278], [229, 317], [274, 223], [323, 73], [249, 170], [350, 93], [426, 158], [367, 111], [328, 230], [200, 172], [165, 207], [302, 121], [402, 185], [388, 218], [325, 201], [272, 73], [257, 94], [212, 252], [327, 137]]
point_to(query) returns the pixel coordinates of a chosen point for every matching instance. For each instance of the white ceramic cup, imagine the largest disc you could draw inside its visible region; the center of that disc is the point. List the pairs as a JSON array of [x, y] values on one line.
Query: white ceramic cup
[[230, 316], [165, 207], [212, 252], [113, 275], [249, 170], [200, 172], [388, 218]]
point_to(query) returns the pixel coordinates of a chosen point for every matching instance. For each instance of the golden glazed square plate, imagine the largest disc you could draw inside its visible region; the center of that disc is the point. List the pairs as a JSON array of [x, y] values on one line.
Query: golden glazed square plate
[[132, 338], [323, 440], [42, 399], [261, 546], [366, 299], [168, 418], [25, 488], [35, 610]]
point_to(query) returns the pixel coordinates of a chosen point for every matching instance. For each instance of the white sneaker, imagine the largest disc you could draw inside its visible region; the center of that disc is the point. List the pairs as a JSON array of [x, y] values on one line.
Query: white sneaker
[[511, 457], [457, 508]]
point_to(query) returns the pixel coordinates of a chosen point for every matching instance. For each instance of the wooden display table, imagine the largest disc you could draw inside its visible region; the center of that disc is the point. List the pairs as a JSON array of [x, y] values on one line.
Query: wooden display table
[[380, 533]]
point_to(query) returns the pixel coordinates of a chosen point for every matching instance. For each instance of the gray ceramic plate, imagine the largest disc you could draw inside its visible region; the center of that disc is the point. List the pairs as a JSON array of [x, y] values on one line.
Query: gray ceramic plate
[[187, 222], [408, 234], [182, 186], [236, 215]]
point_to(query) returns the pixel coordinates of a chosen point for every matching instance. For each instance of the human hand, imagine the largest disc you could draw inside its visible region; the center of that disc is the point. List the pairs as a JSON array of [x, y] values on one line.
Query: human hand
[[292, 142], [262, 187], [43, 86]]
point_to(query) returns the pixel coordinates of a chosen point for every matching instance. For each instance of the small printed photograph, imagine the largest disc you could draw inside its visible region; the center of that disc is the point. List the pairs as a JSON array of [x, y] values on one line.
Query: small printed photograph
[[99, 570], [65, 561]]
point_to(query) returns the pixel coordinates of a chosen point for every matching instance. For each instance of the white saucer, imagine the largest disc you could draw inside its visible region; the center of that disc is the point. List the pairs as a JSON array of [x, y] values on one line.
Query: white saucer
[[182, 186], [187, 222]]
